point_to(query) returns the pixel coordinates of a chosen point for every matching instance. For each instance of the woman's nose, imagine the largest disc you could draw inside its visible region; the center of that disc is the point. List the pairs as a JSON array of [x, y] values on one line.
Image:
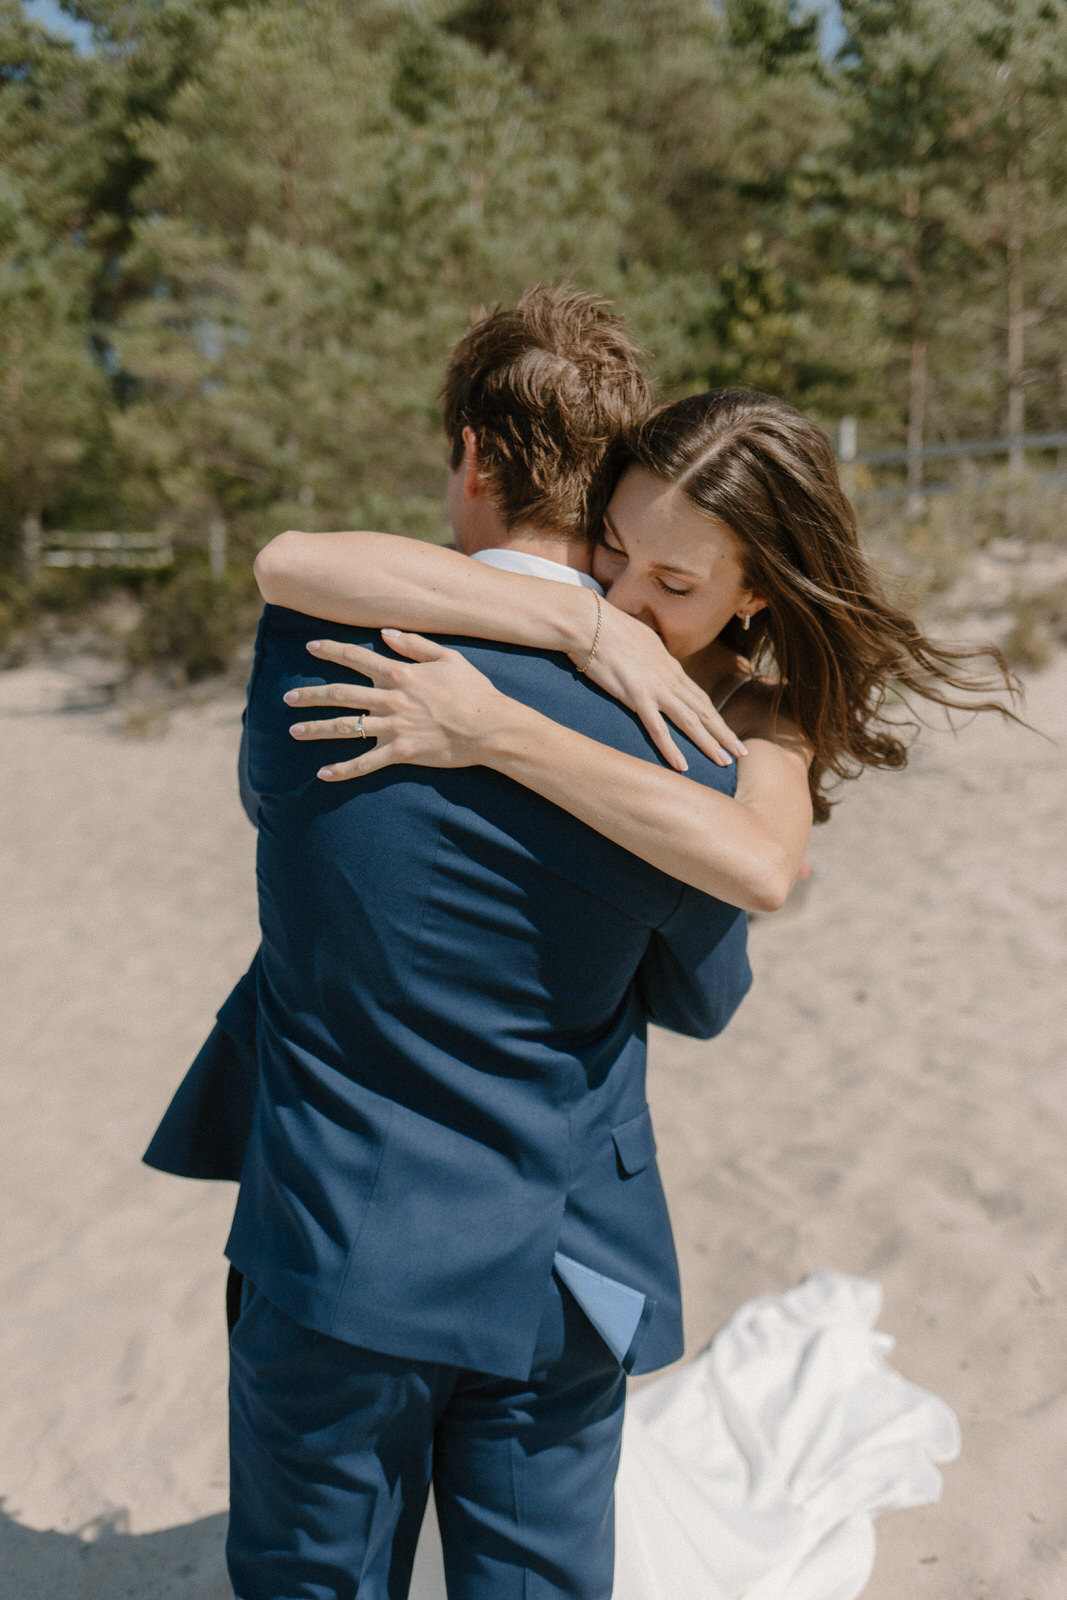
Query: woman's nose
[[625, 595]]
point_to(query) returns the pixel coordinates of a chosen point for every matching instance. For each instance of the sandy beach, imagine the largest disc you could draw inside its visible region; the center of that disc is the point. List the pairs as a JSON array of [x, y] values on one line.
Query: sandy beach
[[890, 1102]]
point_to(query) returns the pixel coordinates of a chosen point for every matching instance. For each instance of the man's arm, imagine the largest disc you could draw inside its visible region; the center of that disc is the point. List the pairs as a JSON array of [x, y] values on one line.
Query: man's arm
[[695, 972]]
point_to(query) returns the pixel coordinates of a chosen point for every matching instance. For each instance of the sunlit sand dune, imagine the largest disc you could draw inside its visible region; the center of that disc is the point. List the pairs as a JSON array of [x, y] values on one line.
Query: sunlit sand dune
[[890, 1103]]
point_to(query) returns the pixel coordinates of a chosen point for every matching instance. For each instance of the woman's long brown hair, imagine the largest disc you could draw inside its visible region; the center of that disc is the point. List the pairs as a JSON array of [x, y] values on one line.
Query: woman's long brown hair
[[833, 642]]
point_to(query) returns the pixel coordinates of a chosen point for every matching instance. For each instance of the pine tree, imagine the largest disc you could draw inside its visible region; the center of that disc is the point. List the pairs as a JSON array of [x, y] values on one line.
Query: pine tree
[[52, 394], [54, 400], [1019, 130], [908, 69], [324, 209]]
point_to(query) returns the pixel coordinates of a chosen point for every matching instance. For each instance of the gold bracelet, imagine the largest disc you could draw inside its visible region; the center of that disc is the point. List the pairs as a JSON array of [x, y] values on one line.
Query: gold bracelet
[[588, 662]]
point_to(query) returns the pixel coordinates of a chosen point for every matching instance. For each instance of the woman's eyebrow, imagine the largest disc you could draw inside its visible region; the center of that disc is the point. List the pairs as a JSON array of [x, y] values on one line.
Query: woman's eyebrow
[[659, 566], [677, 572]]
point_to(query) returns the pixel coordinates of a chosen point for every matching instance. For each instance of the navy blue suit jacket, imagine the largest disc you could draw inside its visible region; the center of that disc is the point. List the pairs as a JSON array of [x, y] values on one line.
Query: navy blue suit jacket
[[449, 1010]]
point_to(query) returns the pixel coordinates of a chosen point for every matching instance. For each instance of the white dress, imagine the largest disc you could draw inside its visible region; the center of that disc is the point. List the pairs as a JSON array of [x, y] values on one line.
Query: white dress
[[755, 1471]]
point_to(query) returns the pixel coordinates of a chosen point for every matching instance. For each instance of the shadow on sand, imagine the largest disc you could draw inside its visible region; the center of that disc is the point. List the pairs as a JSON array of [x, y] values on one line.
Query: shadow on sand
[[102, 1561]]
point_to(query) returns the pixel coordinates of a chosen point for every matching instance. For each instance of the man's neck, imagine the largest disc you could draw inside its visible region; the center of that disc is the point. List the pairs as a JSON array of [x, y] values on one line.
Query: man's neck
[[575, 553]]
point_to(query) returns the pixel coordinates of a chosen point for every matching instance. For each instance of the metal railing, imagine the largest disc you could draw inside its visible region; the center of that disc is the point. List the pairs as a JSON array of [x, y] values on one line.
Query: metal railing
[[1012, 445], [953, 450]]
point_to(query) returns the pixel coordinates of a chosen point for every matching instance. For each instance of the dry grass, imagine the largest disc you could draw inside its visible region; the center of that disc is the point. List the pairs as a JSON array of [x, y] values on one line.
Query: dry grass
[[988, 561], [1039, 628]]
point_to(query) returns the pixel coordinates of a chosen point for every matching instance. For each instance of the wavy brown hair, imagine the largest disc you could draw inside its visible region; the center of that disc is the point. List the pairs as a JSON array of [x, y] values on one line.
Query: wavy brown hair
[[547, 385], [835, 645]]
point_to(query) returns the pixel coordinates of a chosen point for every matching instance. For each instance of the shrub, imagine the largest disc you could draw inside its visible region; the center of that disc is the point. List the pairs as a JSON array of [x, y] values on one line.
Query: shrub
[[1039, 628], [191, 624]]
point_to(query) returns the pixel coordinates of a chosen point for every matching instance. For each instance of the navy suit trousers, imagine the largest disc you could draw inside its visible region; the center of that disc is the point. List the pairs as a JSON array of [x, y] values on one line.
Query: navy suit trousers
[[334, 1448]]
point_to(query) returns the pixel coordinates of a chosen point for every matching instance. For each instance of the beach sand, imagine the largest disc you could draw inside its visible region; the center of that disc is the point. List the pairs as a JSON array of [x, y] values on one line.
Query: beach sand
[[889, 1102]]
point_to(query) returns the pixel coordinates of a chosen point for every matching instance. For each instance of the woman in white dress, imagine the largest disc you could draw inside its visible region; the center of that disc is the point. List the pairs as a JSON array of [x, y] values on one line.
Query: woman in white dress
[[732, 569]]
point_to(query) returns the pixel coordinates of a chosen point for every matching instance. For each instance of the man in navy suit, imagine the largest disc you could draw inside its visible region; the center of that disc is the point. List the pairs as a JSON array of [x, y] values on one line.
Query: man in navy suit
[[450, 1226]]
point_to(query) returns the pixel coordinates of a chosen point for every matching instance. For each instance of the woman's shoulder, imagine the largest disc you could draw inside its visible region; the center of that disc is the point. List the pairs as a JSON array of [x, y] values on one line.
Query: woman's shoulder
[[731, 679], [754, 711], [727, 688]]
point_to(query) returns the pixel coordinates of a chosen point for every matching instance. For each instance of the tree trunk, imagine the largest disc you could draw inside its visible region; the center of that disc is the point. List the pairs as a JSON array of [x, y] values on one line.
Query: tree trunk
[[31, 547], [1013, 252], [216, 544], [916, 422], [917, 370]]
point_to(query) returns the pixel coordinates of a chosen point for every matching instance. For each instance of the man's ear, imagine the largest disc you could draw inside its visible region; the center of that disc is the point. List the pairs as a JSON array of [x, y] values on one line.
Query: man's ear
[[475, 484]]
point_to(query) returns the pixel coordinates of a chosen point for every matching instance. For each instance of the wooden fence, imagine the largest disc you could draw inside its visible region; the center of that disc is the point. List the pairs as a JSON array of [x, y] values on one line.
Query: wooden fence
[[154, 550], [147, 551]]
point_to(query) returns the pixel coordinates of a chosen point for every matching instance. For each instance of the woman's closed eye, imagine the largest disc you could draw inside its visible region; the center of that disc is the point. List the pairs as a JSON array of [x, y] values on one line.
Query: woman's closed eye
[[617, 554]]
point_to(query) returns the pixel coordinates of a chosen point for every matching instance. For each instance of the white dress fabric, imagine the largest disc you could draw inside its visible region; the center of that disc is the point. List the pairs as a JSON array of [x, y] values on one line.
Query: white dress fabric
[[755, 1472]]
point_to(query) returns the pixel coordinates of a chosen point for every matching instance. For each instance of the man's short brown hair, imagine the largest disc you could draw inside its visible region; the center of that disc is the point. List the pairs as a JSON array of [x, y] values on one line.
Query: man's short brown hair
[[548, 385]]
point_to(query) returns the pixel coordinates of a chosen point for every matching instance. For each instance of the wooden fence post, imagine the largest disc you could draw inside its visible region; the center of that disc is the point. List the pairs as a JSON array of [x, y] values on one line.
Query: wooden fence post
[[216, 544], [847, 451], [31, 547], [847, 439]]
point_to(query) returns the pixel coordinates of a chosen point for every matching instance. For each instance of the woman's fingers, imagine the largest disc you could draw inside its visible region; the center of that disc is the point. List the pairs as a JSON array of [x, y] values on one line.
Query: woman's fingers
[[433, 710], [695, 716], [353, 696], [718, 730], [700, 721], [359, 767], [362, 659], [660, 735], [647, 680], [689, 724], [696, 730], [414, 645], [356, 656], [354, 727]]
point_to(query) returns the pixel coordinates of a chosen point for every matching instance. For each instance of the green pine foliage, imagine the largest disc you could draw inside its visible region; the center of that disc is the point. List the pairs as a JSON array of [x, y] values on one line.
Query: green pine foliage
[[238, 239]]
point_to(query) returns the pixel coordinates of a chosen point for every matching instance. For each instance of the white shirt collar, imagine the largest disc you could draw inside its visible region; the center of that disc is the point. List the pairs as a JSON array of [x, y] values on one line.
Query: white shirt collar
[[509, 560]]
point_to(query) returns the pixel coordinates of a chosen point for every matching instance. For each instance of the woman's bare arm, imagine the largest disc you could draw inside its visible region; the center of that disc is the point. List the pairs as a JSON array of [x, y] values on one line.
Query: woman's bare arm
[[746, 850], [438, 710], [375, 579], [369, 579]]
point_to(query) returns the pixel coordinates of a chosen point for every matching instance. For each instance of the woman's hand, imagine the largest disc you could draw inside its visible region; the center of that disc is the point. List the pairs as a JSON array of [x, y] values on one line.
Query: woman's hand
[[633, 664], [436, 711]]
